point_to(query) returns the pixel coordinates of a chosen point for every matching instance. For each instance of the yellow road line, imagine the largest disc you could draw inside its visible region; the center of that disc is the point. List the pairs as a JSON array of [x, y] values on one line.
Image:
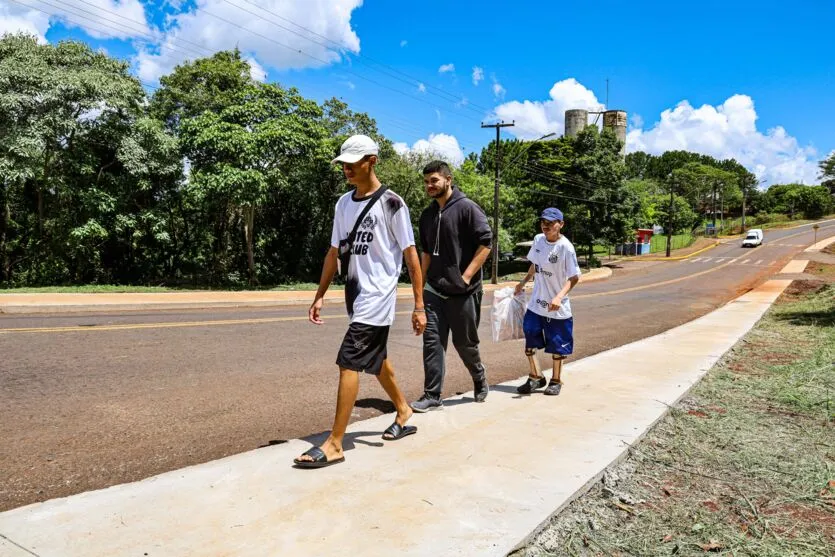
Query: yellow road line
[[170, 325], [127, 327], [679, 257], [655, 284]]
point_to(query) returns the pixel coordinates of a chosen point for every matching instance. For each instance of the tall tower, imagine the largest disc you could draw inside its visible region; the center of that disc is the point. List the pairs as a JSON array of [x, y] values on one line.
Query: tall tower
[[615, 120], [575, 121]]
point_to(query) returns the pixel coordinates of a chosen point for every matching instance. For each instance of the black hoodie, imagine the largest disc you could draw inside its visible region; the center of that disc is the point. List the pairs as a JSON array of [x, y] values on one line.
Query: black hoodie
[[451, 237]]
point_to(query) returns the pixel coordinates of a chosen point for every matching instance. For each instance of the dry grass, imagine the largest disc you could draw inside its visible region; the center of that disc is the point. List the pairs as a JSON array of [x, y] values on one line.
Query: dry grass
[[745, 465]]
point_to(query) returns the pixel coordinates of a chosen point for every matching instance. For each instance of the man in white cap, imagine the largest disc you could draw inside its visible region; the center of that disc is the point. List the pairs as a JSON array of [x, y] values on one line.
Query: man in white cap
[[372, 233]]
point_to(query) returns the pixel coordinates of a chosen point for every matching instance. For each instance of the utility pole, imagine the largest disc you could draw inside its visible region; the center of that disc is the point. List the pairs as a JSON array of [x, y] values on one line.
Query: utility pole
[[713, 213], [498, 126], [670, 221], [744, 195]]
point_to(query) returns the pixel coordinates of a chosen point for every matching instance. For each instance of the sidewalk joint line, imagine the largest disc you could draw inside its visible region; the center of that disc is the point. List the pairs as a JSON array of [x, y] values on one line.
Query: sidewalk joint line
[[14, 543]]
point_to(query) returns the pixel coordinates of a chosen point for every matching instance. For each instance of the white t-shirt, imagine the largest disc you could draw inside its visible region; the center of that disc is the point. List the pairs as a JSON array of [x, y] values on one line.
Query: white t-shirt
[[377, 257], [555, 264]]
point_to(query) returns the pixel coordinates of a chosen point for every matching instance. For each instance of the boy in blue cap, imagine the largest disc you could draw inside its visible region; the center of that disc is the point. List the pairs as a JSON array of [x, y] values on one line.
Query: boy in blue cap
[[549, 323]]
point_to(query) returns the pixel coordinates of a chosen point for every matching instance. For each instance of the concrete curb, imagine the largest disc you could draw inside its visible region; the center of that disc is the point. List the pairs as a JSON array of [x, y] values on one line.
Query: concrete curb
[[820, 245], [78, 303]]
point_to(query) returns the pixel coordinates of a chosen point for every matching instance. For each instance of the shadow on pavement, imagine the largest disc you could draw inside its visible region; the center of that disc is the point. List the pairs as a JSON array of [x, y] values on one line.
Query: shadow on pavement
[[381, 405]]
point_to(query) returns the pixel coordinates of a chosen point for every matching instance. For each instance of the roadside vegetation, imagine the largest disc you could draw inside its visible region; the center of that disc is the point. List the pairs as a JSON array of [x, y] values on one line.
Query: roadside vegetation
[[744, 465]]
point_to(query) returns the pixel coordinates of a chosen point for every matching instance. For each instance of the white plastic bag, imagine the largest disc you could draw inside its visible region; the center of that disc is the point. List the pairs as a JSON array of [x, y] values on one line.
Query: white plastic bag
[[507, 314]]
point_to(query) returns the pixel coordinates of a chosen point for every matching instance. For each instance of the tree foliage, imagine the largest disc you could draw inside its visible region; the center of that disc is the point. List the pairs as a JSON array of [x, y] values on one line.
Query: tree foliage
[[219, 179]]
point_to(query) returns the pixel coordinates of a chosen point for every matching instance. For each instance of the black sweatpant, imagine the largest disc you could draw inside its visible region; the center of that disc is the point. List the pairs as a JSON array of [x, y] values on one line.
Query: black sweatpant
[[459, 315]]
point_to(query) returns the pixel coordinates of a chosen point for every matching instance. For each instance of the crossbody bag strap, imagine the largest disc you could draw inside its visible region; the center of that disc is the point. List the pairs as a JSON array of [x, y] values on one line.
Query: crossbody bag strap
[[377, 195]]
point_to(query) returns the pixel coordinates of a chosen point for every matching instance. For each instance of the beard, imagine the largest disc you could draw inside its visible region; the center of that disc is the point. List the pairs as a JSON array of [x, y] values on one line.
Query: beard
[[440, 192]]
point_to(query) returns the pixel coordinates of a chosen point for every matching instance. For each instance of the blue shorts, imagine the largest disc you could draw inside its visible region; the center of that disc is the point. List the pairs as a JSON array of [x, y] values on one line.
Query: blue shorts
[[556, 336]]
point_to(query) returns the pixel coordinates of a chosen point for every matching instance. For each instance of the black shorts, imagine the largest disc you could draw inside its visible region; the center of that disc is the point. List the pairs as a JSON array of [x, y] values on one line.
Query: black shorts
[[364, 348]]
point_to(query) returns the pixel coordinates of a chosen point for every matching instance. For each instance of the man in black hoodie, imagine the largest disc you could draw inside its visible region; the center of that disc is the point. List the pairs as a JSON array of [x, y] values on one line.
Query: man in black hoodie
[[455, 239]]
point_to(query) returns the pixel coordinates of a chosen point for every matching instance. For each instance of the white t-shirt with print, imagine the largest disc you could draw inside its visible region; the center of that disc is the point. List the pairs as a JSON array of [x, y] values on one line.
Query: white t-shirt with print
[[555, 263], [377, 257]]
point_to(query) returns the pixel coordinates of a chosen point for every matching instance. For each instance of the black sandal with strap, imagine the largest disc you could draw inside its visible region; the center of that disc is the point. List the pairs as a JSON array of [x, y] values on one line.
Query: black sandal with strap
[[320, 459], [396, 431]]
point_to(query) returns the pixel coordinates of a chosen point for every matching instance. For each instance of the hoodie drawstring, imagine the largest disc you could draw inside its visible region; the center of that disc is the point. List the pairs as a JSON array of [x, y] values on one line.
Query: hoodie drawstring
[[438, 234]]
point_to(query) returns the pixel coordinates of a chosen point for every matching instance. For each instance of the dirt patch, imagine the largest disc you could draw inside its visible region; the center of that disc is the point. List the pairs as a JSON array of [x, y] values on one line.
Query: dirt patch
[[778, 357], [823, 270], [801, 288], [830, 249]]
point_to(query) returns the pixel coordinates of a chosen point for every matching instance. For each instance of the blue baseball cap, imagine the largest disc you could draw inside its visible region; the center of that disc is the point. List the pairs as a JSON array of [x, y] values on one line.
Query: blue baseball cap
[[551, 214]]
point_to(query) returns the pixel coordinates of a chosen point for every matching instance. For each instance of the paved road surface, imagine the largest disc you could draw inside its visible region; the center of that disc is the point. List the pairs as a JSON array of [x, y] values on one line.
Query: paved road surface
[[88, 401]]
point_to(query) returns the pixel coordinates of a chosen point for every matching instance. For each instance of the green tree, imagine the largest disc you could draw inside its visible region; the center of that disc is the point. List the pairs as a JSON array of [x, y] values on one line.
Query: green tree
[[827, 167], [684, 218], [583, 176], [642, 195], [64, 113], [245, 152], [599, 169], [707, 188]]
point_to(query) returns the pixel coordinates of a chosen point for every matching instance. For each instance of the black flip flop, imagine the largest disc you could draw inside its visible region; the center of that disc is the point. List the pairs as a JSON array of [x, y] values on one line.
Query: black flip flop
[[397, 431], [320, 460]]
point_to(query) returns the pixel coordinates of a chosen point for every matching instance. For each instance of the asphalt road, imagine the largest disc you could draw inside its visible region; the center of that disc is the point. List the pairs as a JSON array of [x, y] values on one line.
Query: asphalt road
[[88, 401]]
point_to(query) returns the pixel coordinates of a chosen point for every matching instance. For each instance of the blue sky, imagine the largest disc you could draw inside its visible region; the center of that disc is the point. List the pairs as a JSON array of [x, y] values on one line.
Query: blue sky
[[744, 79]]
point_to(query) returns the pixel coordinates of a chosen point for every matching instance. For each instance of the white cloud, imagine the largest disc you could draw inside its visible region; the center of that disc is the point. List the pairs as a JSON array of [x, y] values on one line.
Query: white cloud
[[729, 131], [16, 18], [537, 118], [725, 131], [349, 84], [208, 25], [478, 75], [446, 68], [256, 71], [403, 43], [439, 145], [122, 19], [498, 90], [421, 88]]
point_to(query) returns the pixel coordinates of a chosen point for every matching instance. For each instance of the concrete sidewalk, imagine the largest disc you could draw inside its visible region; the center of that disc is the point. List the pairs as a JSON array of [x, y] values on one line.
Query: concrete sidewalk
[[477, 479], [66, 303]]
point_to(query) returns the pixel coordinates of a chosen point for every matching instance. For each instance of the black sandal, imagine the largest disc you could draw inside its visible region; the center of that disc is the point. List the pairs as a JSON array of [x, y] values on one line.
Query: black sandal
[[530, 385], [320, 459], [554, 388], [396, 431]]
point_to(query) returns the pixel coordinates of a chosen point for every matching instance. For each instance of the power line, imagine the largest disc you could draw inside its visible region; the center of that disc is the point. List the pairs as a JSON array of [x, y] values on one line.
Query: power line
[[171, 44], [119, 27], [575, 180], [410, 80], [562, 195], [556, 181], [571, 180], [403, 125], [325, 62]]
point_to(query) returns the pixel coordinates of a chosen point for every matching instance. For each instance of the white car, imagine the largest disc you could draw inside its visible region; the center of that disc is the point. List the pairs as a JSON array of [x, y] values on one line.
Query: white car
[[753, 239]]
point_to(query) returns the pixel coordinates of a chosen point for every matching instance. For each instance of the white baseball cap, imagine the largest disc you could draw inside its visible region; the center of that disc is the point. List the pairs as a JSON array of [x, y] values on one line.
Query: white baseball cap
[[355, 148]]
